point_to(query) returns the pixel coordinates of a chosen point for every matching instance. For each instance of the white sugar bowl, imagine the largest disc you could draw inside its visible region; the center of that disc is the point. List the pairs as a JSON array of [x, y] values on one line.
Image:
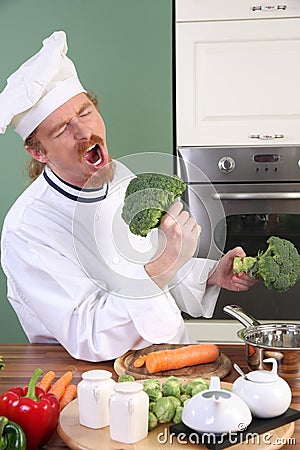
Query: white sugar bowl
[[266, 394]]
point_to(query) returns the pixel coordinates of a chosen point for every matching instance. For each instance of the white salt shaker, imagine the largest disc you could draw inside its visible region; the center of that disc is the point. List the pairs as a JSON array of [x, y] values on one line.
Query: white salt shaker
[[128, 409], [93, 394]]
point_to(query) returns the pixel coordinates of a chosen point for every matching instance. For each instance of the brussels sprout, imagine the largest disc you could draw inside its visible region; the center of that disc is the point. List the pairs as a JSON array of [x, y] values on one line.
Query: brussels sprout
[[188, 387], [198, 388], [176, 401], [125, 377], [178, 414], [151, 406], [152, 388], [172, 386], [152, 421], [184, 398], [164, 409]]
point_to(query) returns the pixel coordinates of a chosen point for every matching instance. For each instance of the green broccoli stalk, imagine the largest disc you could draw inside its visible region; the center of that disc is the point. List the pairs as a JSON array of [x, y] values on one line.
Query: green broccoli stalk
[[147, 198], [278, 266]]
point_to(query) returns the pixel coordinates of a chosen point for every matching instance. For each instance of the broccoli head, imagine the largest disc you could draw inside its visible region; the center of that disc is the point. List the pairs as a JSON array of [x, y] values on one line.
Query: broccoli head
[[278, 266], [147, 198]]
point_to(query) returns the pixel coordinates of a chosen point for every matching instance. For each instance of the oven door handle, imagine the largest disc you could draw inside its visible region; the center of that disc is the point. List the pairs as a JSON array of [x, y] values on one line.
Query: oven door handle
[[256, 196]]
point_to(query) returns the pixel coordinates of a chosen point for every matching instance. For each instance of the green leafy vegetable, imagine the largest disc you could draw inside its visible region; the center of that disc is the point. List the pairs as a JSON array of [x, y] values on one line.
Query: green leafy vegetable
[[152, 421], [278, 266], [172, 386], [194, 386], [152, 388], [147, 199], [125, 377], [164, 409], [178, 414], [175, 400]]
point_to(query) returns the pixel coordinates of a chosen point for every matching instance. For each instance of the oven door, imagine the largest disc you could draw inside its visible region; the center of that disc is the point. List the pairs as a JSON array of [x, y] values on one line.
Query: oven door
[[251, 213]]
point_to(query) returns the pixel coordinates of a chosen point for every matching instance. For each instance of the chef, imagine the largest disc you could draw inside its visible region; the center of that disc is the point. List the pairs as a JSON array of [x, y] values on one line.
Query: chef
[[75, 274]]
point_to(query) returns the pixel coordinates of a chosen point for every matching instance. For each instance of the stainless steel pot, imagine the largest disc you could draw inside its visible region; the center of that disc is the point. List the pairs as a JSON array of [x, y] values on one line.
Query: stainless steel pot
[[277, 340]]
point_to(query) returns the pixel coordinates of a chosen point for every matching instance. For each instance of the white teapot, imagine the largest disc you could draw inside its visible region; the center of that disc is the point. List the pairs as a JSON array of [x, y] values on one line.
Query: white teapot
[[266, 394], [216, 410]]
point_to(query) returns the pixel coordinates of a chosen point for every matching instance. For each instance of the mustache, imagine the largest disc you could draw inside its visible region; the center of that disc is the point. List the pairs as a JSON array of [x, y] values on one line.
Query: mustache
[[83, 146]]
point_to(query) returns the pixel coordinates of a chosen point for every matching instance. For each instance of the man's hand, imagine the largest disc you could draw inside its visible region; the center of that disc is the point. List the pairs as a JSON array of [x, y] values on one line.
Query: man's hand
[[223, 276], [178, 235]]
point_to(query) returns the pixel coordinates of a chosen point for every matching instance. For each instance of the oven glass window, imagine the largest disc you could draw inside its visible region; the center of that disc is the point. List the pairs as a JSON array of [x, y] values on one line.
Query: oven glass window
[[251, 232]]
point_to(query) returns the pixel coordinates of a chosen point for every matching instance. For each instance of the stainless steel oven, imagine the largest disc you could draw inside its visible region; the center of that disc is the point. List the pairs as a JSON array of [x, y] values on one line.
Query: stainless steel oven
[[241, 196]]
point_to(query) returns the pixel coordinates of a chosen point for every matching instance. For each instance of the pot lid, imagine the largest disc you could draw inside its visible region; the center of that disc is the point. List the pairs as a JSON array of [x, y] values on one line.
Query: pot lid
[[265, 376], [262, 376]]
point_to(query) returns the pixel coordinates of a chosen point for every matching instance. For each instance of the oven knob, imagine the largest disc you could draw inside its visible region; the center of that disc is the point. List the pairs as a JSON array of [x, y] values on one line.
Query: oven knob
[[226, 164]]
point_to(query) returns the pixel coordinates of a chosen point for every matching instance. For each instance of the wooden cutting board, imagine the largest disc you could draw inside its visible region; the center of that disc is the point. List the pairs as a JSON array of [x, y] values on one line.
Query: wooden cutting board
[[78, 437], [124, 365]]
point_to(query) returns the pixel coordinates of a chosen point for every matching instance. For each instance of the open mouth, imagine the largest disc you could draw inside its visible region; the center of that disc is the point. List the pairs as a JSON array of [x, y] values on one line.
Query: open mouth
[[93, 155]]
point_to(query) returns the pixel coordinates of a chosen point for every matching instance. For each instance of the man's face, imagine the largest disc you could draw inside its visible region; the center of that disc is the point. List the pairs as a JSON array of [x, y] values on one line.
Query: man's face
[[73, 138]]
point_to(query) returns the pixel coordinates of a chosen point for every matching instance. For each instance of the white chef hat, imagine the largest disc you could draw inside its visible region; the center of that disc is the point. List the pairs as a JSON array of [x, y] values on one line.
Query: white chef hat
[[39, 86]]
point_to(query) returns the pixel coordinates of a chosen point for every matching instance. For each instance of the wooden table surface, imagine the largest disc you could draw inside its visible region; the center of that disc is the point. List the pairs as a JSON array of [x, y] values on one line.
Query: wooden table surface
[[22, 359]]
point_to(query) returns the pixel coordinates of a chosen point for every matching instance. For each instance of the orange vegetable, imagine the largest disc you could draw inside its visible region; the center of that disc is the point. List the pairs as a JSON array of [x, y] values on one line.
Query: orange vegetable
[[189, 355], [46, 380], [140, 361], [59, 387], [69, 395]]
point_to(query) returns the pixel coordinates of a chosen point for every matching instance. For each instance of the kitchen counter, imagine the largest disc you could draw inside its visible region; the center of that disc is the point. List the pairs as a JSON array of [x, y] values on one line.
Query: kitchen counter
[[22, 359]]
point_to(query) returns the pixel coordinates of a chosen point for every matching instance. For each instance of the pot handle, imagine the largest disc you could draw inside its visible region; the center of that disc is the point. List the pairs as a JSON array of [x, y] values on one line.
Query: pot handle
[[238, 313]]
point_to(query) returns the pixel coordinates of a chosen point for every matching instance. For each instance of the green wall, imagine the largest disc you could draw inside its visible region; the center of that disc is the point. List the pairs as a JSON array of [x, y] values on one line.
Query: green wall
[[123, 52]]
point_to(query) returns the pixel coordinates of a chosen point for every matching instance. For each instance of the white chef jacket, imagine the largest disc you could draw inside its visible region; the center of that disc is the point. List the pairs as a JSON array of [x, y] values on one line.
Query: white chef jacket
[[75, 273]]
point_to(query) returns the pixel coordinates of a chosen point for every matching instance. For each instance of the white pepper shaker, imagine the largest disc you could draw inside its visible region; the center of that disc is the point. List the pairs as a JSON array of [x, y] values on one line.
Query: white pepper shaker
[[94, 391], [128, 410]]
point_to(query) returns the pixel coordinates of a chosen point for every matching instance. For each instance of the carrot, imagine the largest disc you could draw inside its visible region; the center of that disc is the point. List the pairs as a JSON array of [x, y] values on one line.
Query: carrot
[[58, 388], [69, 395], [189, 355], [46, 380], [140, 361]]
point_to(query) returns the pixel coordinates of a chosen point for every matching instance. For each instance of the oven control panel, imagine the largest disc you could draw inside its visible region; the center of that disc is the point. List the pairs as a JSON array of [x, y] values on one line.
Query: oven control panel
[[240, 164]]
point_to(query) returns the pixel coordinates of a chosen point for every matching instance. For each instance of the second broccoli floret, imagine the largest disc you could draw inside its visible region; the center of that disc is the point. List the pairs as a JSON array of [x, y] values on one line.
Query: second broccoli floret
[[147, 199], [278, 266]]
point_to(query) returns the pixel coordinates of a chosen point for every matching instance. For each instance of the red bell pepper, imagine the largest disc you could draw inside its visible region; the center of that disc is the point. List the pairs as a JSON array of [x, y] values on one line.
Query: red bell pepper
[[36, 411]]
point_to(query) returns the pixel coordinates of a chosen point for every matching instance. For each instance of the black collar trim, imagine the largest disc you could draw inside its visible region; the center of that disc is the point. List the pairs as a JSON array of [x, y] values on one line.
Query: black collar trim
[[79, 194]]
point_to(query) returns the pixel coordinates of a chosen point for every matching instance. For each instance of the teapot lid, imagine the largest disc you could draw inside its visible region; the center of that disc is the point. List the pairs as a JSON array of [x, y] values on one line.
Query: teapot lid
[[264, 376]]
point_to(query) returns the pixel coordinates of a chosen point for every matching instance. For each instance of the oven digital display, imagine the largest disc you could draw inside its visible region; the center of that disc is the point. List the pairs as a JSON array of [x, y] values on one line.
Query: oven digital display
[[267, 158]]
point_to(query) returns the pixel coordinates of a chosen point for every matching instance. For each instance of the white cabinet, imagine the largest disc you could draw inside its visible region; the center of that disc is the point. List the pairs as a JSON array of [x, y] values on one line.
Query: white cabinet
[[237, 81], [200, 10]]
